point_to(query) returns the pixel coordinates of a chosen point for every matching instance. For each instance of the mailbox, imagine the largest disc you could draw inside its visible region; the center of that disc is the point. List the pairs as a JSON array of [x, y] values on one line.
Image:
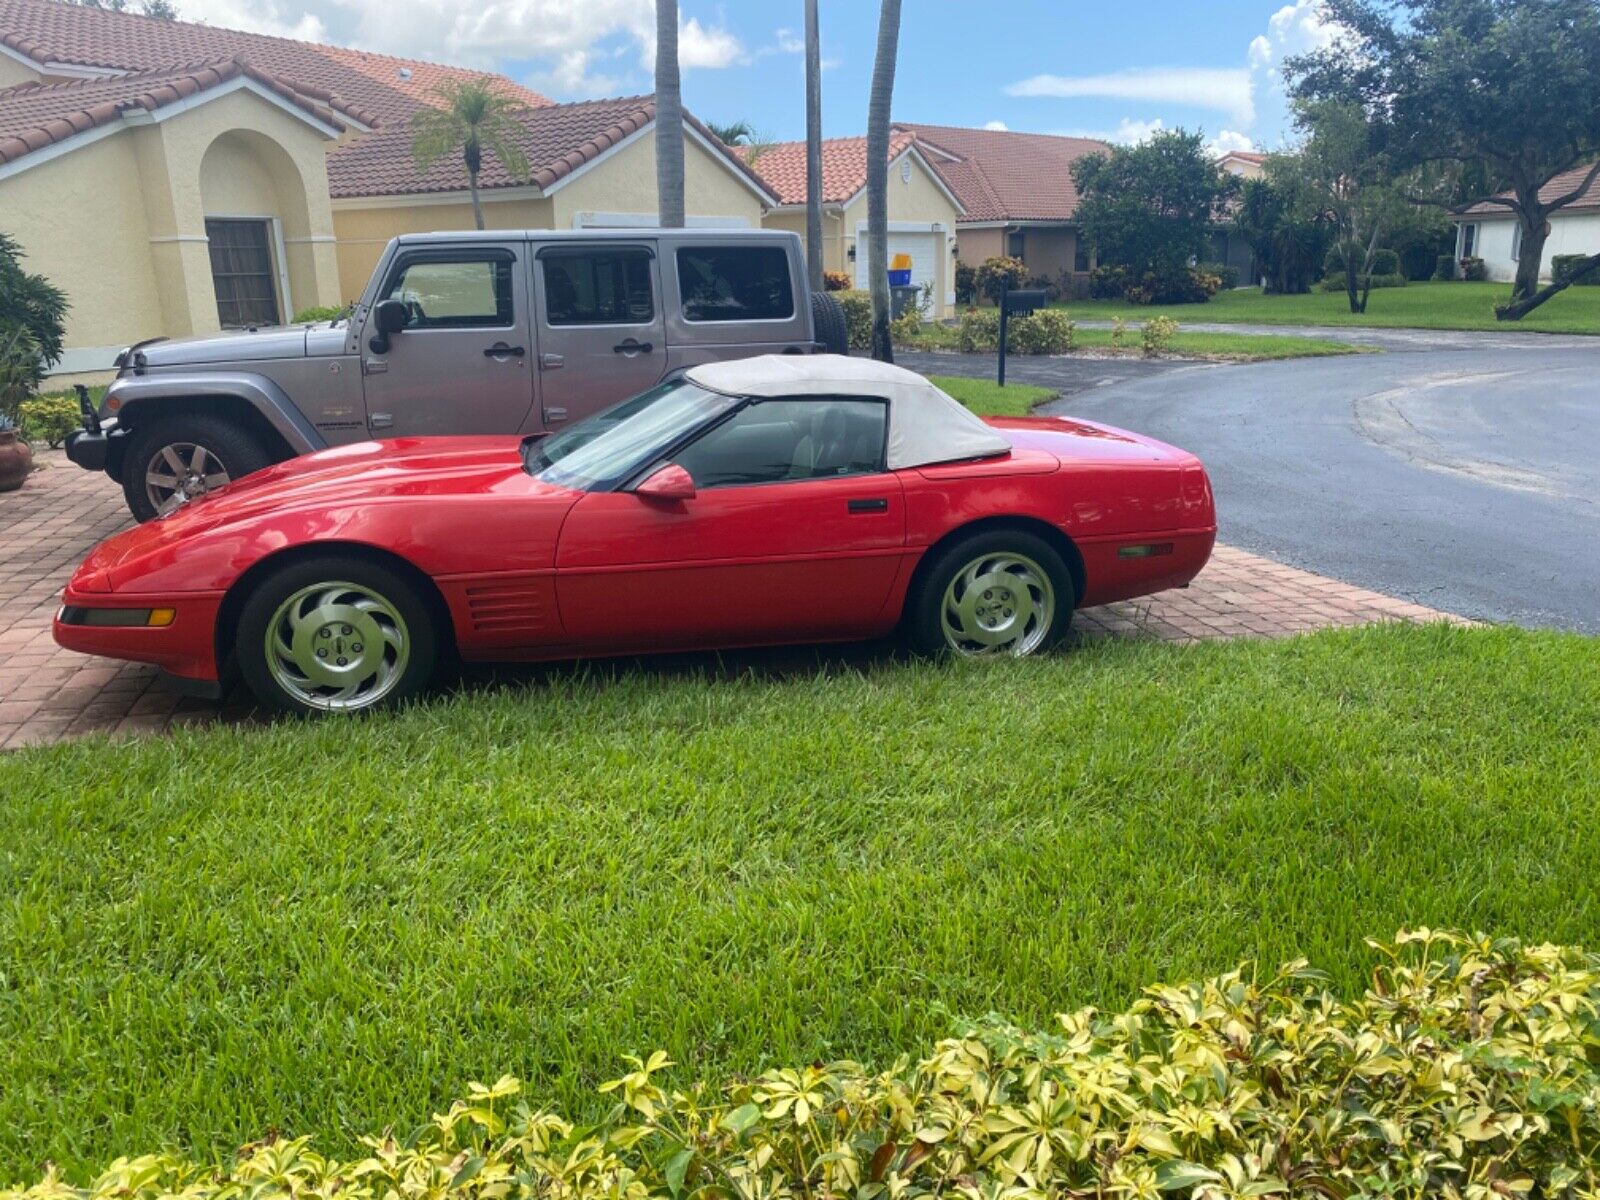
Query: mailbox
[[1024, 301]]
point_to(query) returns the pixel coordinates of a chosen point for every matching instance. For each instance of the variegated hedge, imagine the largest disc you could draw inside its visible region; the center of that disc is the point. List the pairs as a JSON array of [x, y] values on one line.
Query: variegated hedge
[[1470, 1069]]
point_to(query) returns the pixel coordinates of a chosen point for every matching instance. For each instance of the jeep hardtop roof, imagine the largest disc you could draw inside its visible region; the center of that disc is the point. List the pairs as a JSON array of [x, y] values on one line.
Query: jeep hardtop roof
[[590, 235]]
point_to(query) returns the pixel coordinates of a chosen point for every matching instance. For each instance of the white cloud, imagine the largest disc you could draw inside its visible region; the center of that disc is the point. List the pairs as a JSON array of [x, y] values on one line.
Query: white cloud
[[1129, 131], [787, 41], [709, 47], [1223, 89], [996, 126], [269, 18], [1297, 28], [1228, 140]]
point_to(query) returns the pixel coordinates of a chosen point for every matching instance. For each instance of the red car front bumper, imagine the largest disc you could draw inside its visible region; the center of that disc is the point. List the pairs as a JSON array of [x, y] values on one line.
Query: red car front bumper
[[184, 647]]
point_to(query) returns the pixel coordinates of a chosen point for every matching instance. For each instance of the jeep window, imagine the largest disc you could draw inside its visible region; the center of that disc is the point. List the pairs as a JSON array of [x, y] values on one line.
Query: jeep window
[[598, 287], [454, 293], [735, 283]]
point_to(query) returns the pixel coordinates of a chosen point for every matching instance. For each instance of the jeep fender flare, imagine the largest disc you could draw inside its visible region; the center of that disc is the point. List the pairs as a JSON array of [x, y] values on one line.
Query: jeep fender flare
[[135, 395]]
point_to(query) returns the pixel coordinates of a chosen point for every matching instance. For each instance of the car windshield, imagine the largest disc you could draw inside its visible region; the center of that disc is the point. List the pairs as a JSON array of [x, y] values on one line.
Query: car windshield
[[605, 449]]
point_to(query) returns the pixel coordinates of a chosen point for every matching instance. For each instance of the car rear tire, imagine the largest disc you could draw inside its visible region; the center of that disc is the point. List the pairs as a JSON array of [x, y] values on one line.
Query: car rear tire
[[828, 323], [171, 461], [1001, 592], [336, 634]]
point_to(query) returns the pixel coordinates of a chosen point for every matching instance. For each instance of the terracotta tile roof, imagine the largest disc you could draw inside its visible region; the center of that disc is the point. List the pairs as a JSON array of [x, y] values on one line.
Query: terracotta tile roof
[[370, 87], [556, 140], [844, 166], [1251, 156], [33, 116], [1558, 186], [1000, 175]]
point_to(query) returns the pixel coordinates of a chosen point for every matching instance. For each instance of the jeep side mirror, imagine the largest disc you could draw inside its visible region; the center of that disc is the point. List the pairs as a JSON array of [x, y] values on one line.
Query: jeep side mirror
[[671, 482], [389, 317]]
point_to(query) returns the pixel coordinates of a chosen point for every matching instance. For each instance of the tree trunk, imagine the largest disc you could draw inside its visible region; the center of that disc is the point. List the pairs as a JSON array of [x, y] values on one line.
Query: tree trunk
[[878, 109], [1530, 259], [477, 206], [813, 147], [1518, 309], [472, 155], [669, 118]]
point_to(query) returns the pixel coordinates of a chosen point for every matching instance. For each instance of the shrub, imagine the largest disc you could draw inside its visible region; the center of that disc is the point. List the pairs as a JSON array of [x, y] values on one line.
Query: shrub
[[48, 419], [1119, 333], [1473, 270], [1226, 275], [1446, 267], [31, 303], [20, 371], [979, 332], [996, 271], [1336, 282], [835, 281], [857, 306], [1562, 265], [321, 312], [906, 329], [1467, 1060], [1158, 333], [966, 284], [1048, 331], [1190, 285]]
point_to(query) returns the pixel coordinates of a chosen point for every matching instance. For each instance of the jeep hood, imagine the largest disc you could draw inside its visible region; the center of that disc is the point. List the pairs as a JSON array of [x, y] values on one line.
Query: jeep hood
[[246, 345]]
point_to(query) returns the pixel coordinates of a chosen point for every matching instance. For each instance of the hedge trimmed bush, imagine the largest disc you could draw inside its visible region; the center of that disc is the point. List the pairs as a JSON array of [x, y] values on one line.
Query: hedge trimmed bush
[[1446, 267], [49, 419], [994, 272], [1468, 1070], [1473, 270], [1336, 281], [1562, 265], [1048, 331], [321, 312], [1228, 276], [857, 305], [1192, 285]]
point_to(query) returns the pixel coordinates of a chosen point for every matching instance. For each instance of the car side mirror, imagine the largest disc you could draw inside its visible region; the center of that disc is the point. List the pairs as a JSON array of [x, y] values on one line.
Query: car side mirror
[[671, 482], [389, 317]]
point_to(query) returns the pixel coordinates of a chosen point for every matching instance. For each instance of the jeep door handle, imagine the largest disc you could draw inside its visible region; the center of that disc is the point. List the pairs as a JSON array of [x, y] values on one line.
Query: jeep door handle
[[630, 346], [551, 361], [501, 350]]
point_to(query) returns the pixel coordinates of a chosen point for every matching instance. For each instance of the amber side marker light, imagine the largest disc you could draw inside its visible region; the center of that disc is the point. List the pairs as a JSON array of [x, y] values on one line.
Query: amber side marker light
[[74, 614], [1146, 550]]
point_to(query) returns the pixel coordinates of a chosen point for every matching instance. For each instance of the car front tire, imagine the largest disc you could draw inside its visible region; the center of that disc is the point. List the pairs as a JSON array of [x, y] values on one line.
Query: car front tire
[[995, 593], [171, 461], [333, 634]]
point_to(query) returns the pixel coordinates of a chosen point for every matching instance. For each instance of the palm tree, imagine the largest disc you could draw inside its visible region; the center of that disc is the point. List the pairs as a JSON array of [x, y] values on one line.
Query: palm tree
[[878, 105], [472, 115], [813, 148], [734, 133], [669, 117]]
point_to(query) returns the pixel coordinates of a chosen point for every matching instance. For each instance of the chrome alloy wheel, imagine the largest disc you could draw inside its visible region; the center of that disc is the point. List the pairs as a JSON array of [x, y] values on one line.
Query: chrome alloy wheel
[[179, 472], [1000, 603], [337, 646]]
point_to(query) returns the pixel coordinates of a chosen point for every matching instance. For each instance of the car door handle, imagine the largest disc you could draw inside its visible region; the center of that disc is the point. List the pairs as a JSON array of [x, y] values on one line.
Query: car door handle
[[501, 350], [630, 346], [551, 361], [875, 504]]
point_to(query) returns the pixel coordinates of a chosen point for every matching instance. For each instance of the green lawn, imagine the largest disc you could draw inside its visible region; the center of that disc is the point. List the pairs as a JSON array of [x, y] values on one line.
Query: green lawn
[[986, 397], [1232, 347], [1416, 306], [332, 926]]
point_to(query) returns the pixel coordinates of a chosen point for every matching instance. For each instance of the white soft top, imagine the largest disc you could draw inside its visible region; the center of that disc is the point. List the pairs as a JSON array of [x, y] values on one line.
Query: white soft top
[[925, 425]]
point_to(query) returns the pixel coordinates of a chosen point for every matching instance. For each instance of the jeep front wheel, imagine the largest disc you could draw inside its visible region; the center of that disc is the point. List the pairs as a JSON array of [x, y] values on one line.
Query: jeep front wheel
[[170, 462]]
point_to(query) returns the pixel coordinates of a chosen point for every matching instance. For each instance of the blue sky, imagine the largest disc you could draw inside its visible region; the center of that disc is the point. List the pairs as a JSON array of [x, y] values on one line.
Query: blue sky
[[1053, 66]]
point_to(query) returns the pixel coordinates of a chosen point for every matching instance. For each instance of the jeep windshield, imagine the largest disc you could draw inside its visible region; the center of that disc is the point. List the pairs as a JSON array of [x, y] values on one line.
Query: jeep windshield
[[601, 451]]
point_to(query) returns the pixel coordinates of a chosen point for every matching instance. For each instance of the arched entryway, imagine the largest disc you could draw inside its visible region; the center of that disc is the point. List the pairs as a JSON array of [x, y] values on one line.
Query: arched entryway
[[258, 226]]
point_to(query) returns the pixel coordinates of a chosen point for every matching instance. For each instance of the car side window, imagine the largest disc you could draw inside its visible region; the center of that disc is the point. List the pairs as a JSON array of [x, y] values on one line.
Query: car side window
[[735, 283], [466, 293], [598, 287], [775, 441]]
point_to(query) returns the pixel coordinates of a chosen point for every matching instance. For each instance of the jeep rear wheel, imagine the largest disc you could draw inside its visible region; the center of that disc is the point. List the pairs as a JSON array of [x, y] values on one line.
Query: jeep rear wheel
[[170, 462]]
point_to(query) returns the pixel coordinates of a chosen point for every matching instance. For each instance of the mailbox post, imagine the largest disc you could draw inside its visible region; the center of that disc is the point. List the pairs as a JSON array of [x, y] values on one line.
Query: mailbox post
[[1023, 302]]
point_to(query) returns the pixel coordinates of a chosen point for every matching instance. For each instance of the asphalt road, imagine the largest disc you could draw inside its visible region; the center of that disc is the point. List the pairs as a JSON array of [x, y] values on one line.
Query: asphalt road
[[1459, 471]]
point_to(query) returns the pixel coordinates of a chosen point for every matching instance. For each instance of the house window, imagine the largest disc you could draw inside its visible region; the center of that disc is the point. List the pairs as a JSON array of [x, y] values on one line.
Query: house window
[[599, 287], [735, 283], [1014, 244], [1469, 240], [242, 272], [1080, 256]]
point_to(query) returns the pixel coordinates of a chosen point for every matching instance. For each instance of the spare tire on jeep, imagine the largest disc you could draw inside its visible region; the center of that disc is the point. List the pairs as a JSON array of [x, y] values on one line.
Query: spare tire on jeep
[[827, 321], [171, 461]]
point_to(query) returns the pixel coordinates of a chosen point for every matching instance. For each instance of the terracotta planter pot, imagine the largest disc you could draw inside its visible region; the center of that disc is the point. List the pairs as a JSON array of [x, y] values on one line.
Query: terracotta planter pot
[[16, 460]]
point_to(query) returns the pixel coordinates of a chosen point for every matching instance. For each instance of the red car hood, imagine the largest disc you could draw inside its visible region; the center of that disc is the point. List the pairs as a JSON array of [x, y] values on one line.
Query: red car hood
[[1072, 440], [370, 473]]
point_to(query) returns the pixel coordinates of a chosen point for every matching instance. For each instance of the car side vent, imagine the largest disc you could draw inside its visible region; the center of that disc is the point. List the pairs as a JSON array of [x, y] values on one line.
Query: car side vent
[[510, 606]]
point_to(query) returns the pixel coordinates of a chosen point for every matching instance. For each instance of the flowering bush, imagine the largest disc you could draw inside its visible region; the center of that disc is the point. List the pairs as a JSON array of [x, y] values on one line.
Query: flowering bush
[[1158, 333], [1468, 1070], [994, 272], [835, 281], [48, 419]]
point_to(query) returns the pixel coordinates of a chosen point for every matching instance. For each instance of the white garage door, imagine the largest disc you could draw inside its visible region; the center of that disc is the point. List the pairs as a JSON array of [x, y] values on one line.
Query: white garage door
[[922, 247]]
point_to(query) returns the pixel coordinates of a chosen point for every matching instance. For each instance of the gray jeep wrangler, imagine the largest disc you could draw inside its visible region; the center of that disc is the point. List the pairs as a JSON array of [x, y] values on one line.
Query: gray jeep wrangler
[[456, 333]]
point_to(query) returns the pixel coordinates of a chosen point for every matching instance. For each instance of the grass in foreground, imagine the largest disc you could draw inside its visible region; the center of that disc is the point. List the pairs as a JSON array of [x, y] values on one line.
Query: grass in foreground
[[987, 398], [333, 925], [1231, 347], [1458, 305]]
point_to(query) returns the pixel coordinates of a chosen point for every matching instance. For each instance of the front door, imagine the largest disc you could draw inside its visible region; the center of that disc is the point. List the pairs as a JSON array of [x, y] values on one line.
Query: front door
[[463, 364], [601, 334], [797, 532]]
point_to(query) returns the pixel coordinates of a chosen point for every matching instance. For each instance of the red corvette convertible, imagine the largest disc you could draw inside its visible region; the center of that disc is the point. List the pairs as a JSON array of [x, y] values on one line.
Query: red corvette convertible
[[769, 500]]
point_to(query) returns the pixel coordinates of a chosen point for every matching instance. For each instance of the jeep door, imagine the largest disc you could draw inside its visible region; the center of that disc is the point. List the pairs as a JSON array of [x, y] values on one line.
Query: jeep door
[[462, 364], [601, 332]]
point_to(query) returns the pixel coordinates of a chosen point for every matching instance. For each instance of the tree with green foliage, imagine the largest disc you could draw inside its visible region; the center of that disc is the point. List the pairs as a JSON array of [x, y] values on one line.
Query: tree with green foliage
[[33, 314], [1287, 234], [1150, 207], [732, 133], [163, 9], [473, 115], [1502, 87]]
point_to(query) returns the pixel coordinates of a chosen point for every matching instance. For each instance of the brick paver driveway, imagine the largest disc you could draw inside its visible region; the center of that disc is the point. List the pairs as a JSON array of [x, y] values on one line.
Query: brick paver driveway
[[47, 693]]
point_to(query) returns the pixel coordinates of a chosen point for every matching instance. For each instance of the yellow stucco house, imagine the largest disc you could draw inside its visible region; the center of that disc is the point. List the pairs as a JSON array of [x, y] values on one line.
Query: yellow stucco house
[[176, 178]]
